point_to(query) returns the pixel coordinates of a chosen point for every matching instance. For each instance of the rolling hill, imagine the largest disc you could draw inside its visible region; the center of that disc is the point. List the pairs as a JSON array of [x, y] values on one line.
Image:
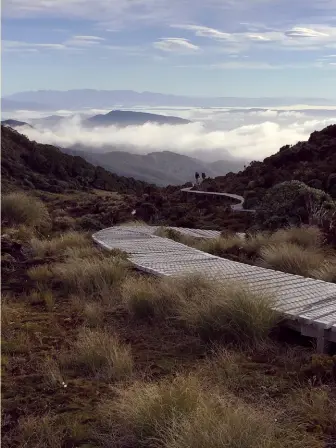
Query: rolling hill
[[30, 165], [161, 168], [131, 118]]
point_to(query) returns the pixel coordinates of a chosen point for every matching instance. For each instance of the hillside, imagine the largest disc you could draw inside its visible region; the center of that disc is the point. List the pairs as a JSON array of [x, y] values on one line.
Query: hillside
[[131, 118], [161, 168], [29, 165], [312, 162], [14, 123]]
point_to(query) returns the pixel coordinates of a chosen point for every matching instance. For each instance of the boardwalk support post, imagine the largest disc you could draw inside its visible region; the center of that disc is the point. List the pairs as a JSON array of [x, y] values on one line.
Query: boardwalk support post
[[322, 342]]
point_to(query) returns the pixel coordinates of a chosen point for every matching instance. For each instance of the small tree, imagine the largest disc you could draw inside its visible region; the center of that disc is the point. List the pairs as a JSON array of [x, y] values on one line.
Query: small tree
[[203, 176], [294, 203]]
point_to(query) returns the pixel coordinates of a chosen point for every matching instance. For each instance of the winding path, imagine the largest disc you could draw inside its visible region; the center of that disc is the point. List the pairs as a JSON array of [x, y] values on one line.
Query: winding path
[[308, 305], [235, 207]]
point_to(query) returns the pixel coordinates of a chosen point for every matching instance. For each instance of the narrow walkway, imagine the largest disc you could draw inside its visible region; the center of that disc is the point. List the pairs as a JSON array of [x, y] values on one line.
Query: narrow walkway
[[309, 305], [236, 207]]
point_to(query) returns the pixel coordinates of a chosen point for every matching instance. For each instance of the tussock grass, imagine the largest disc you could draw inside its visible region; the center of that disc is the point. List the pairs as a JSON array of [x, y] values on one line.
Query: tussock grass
[[221, 245], [42, 432], [51, 371], [21, 233], [175, 235], [219, 423], [291, 258], [314, 409], [93, 314], [182, 414], [148, 298], [21, 209], [142, 413], [91, 276], [60, 244], [41, 274], [229, 311], [326, 272], [99, 354], [306, 236]]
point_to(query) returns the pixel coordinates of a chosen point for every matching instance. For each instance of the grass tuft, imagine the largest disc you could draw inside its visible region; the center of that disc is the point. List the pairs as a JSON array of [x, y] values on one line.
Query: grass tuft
[[60, 244], [141, 413], [91, 276], [147, 297], [290, 258], [229, 311], [21, 209], [99, 354]]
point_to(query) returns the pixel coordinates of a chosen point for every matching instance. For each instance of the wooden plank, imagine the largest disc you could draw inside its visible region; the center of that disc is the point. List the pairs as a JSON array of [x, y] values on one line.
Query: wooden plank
[[311, 302]]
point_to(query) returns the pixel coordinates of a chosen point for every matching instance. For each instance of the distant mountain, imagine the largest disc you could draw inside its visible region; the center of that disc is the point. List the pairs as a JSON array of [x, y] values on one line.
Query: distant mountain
[[161, 168], [127, 118], [28, 165], [8, 105], [15, 123], [106, 99]]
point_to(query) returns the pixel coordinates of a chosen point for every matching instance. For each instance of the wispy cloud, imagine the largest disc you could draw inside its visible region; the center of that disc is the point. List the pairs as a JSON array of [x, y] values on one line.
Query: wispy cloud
[[175, 44], [84, 41], [305, 37]]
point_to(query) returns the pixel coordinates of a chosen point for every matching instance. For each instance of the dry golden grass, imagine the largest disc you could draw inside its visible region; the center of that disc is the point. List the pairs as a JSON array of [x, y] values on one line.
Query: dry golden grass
[[142, 413], [221, 245], [225, 422], [41, 274], [147, 298], [326, 272], [99, 354], [60, 244], [21, 209], [291, 258], [41, 432], [183, 414], [314, 409], [94, 277], [93, 314], [225, 310], [52, 373], [306, 236], [21, 233]]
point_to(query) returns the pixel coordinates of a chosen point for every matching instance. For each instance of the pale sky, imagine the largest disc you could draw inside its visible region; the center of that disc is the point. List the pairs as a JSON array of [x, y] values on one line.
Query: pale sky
[[252, 48]]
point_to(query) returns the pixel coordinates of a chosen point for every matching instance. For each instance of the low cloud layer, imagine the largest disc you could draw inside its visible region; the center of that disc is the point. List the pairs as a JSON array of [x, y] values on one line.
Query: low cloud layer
[[218, 134]]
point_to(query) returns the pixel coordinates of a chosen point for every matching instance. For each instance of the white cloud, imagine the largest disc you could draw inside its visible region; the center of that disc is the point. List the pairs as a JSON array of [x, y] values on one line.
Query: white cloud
[[9, 45], [84, 41], [249, 134], [175, 44], [303, 37]]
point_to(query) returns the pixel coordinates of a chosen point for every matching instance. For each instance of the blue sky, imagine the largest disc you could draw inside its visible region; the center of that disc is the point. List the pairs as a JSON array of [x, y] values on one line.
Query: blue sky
[[251, 48]]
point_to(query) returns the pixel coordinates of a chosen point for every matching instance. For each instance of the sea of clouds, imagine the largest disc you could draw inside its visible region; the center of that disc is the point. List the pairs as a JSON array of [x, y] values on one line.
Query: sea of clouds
[[215, 133]]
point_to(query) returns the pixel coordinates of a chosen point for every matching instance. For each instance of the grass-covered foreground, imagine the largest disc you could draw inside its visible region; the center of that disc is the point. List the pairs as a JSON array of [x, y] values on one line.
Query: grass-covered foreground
[[96, 355]]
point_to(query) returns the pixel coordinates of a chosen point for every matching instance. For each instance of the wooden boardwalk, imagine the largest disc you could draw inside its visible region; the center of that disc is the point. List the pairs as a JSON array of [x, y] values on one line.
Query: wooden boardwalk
[[309, 305]]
